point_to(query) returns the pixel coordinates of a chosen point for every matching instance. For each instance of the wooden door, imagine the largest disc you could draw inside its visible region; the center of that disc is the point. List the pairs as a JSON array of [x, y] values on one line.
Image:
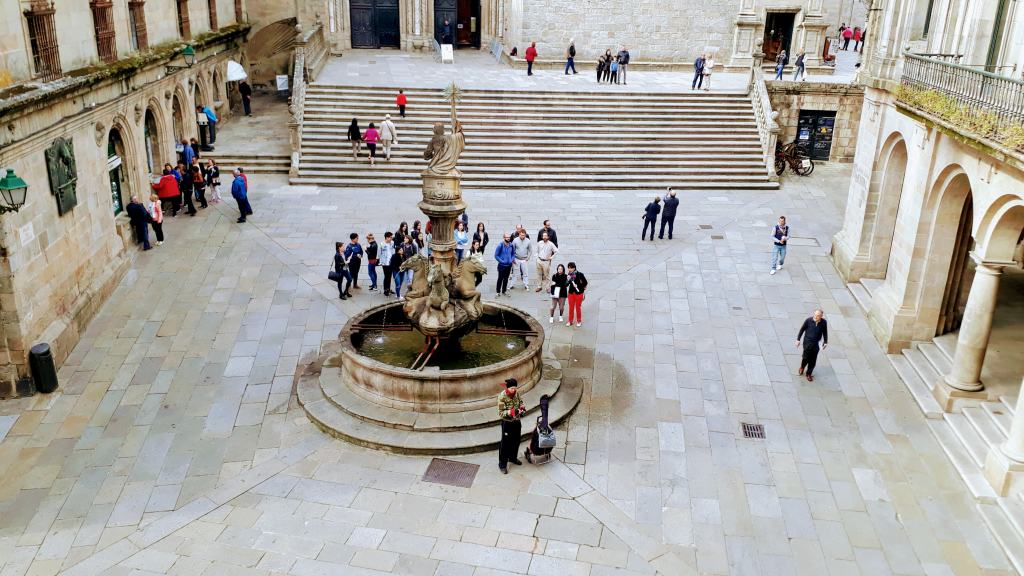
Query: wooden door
[[364, 34], [387, 23]]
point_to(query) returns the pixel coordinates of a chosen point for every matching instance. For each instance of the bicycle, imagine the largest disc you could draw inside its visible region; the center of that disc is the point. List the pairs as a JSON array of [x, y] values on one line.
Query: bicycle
[[795, 156]]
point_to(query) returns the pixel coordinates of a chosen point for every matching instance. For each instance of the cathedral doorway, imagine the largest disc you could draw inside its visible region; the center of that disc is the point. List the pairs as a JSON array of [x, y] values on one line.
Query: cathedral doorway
[[375, 23], [778, 34], [464, 19]]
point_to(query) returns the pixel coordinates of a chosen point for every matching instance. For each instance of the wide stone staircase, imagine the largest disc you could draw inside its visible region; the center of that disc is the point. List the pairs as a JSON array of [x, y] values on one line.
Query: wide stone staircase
[[545, 140], [967, 435]]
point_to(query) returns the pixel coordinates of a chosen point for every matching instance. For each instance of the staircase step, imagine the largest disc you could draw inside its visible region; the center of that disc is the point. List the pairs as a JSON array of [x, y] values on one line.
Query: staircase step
[[922, 366], [973, 443], [510, 185], [1000, 415], [962, 461], [1009, 405], [919, 390], [984, 425], [407, 159], [862, 296], [1006, 533], [871, 285], [947, 344], [939, 361], [362, 169]]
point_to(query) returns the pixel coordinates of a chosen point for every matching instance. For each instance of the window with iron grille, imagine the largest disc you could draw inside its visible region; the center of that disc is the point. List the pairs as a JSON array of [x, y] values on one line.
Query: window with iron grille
[[103, 22], [184, 30], [42, 35], [213, 14], [137, 15]]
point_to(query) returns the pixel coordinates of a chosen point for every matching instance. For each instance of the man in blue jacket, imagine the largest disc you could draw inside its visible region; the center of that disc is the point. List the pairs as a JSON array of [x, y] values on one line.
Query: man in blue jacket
[[241, 195], [505, 254], [211, 117], [698, 72]]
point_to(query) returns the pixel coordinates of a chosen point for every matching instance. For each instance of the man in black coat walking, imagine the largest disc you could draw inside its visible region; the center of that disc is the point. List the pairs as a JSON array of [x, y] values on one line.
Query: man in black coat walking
[[814, 330], [651, 217], [140, 219], [668, 214]]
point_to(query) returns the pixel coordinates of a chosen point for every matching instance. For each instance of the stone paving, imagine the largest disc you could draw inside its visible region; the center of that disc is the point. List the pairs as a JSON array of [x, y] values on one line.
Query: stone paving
[[174, 445]]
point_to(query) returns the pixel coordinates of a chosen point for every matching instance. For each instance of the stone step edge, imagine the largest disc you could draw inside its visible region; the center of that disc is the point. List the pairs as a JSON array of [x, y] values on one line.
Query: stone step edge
[[1005, 533], [919, 390], [355, 405], [318, 408], [569, 187], [469, 93], [963, 462]]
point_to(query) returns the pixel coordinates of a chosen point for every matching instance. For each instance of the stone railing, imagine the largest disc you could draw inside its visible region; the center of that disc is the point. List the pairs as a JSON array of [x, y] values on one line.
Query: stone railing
[[310, 59], [974, 89], [767, 126]]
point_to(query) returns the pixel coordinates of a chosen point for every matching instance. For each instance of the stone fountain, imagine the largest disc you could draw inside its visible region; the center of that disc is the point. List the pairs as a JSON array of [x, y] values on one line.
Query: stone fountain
[[423, 375]]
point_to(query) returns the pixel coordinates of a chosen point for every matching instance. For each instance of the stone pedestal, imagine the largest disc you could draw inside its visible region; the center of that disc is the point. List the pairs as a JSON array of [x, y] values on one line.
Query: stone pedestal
[[442, 203], [1005, 463]]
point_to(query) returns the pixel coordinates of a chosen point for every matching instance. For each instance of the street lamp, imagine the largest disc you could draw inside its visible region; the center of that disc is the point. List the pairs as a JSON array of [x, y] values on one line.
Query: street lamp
[[12, 191], [188, 55]]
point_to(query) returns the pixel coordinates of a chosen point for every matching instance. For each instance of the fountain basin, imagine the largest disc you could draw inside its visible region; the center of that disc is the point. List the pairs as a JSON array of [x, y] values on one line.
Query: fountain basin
[[462, 377]]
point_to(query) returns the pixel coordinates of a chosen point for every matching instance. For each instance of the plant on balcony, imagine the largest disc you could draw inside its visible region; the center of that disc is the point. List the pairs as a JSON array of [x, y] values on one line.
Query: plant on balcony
[[983, 122]]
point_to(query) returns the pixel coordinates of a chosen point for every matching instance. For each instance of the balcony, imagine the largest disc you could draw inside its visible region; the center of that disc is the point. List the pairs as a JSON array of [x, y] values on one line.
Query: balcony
[[968, 100]]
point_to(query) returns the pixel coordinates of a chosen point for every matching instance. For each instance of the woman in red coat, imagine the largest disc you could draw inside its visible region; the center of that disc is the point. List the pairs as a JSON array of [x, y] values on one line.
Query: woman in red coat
[[167, 190], [531, 55]]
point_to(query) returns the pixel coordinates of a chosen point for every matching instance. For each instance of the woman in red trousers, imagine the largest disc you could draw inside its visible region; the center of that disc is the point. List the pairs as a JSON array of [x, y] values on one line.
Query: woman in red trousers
[[577, 287]]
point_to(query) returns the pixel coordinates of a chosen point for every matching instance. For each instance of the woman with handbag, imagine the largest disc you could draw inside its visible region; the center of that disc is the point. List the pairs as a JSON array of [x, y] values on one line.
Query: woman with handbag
[[559, 291], [340, 273], [213, 180]]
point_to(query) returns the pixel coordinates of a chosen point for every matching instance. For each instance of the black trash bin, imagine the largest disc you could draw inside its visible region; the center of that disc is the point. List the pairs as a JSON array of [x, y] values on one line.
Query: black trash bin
[[40, 361]]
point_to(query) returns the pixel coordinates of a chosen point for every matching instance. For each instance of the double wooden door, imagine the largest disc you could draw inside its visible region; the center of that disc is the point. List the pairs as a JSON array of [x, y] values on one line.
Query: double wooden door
[[375, 24]]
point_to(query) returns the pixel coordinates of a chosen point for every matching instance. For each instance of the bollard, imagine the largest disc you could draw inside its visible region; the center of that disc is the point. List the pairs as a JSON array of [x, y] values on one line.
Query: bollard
[[40, 361]]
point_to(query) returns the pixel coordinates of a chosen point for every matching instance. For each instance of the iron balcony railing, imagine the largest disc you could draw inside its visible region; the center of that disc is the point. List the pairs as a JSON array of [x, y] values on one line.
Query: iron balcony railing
[[975, 89]]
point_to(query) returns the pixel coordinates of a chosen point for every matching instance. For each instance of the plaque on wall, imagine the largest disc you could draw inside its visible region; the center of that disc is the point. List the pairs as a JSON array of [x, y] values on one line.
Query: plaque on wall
[[60, 165]]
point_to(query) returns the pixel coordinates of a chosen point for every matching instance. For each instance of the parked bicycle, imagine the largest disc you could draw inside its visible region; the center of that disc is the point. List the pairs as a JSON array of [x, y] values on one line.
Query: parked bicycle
[[795, 156]]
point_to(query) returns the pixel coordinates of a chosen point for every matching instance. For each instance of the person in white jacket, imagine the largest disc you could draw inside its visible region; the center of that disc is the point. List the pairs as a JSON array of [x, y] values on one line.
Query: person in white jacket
[[388, 136]]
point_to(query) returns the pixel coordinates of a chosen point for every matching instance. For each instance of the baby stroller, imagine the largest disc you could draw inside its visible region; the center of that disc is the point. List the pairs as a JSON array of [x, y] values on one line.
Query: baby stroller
[[542, 441]]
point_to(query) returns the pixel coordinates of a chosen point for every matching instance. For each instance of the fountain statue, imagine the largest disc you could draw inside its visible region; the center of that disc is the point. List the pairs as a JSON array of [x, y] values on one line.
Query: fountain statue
[[435, 305]]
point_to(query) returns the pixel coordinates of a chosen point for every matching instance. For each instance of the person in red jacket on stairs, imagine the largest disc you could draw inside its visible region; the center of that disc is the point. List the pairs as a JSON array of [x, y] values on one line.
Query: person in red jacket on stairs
[[531, 55]]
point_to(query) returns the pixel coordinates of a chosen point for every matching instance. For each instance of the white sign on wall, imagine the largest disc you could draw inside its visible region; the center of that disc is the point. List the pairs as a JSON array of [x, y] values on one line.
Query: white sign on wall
[[27, 233], [282, 82]]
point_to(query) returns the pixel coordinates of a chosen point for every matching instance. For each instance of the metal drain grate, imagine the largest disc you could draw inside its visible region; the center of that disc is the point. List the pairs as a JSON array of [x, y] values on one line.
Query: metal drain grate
[[450, 472], [753, 430]]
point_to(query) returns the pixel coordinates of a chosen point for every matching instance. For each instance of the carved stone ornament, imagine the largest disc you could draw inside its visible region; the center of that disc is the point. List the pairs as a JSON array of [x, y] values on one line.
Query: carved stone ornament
[[60, 165], [138, 113], [167, 94], [100, 132]]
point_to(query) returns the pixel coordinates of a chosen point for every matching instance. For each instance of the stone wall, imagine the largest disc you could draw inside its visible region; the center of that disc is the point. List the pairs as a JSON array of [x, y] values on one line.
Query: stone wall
[[789, 98], [56, 271]]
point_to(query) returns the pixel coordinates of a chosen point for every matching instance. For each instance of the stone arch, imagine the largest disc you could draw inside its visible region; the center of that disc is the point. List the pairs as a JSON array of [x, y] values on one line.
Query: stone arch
[[884, 198], [200, 92], [219, 94], [999, 230], [939, 259], [154, 137], [120, 157], [181, 114]]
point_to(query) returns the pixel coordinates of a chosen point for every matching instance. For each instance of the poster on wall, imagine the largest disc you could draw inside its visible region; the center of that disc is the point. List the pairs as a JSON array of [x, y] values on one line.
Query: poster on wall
[[60, 165]]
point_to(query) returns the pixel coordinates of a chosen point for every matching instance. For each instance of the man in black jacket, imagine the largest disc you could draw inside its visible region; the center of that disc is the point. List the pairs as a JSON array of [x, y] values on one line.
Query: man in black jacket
[[140, 219], [651, 217], [552, 235], [668, 214], [570, 57], [623, 63], [813, 331]]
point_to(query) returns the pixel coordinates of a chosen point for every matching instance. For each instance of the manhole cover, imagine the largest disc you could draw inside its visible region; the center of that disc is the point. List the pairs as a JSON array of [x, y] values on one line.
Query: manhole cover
[[705, 226], [753, 430], [450, 472]]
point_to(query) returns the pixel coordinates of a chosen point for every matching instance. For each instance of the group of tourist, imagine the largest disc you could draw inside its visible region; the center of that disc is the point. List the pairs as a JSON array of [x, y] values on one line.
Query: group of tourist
[[702, 69], [611, 68], [386, 136], [855, 34], [782, 60], [514, 255]]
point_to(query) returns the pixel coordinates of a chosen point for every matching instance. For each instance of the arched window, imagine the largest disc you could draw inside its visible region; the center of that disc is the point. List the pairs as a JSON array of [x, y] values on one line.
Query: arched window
[[152, 138], [115, 160]]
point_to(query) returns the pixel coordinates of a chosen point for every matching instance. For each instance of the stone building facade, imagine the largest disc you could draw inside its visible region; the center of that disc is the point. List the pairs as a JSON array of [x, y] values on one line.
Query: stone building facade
[[836, 107], [120, 119]]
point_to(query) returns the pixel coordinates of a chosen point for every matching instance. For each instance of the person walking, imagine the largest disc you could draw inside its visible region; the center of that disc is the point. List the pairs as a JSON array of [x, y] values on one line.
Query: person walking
[[199, 184], [510, 408], [355, 137], [481, 236], [531, 55], [623, 63], [559, 291], [354, 256], [461, 241], [246, 92], [139, 218], [780, 64], [186, 189], [213, 180], [709, 66], [524, 251], [546, 228], [801, 67], [650, 216], [505, 255], [577, 287], [371, 137], [781, 236], [387, 250], [167, 189], [546, 251], [847, 36], [341, 268], [156, 215], [371, 260], [401, 101], [813, 330], [570, 57], [698, 72], [240, 193], [857, 35], [668, 214], [388, 136], [396, 269]]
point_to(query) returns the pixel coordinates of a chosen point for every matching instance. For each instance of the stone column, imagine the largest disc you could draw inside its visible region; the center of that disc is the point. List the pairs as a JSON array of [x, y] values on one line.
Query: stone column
[[964, 378], [1004, 460]]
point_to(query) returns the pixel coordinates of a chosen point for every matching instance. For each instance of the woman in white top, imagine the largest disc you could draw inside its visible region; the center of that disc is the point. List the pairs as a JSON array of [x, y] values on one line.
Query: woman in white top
[[709, 65], [461, 240]]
